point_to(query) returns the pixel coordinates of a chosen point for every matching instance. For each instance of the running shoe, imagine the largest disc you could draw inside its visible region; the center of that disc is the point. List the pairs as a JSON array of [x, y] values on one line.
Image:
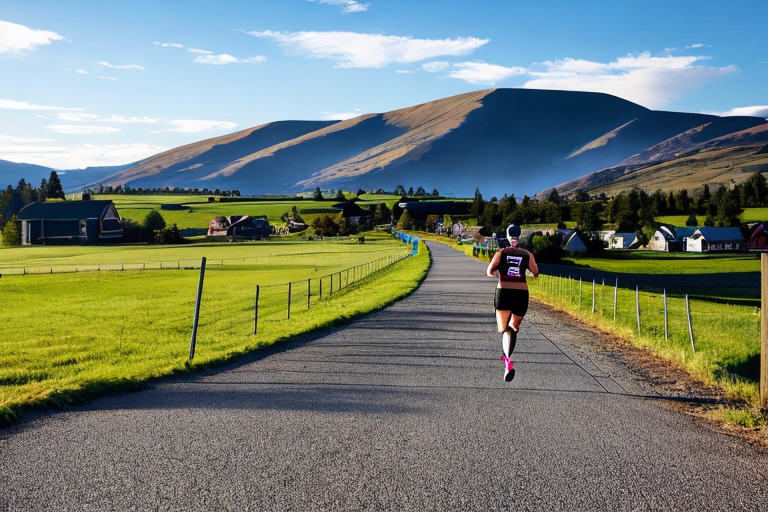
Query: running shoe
[[509, 373]]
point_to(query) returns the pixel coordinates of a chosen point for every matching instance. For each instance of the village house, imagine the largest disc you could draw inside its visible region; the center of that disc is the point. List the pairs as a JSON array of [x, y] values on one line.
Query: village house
[[670, 238], [240, 226], [69, 222], [624, 241], [709, 239]]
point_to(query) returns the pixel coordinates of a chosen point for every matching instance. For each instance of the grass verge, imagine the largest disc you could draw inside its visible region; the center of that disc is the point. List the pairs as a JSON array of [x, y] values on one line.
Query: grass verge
[[98, 333]]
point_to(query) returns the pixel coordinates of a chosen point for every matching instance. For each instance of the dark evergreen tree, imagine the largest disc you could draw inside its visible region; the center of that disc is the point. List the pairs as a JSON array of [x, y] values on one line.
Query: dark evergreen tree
[[400, 190], [318, 194], [55, 190]]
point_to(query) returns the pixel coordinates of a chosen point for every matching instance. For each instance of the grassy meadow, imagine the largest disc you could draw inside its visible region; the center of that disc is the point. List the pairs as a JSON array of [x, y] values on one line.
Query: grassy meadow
[[200, 211], [71, 336]]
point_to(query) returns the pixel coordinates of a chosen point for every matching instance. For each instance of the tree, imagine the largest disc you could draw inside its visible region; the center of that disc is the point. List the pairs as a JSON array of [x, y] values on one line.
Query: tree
[[153, 222], [406, 222], [318, 194], [754, 191], [360, 192], [11, 232], [55, 190], [478, 205], [325, 225], [435, 193], [554, 196], [420, 192], [410, 191], [692, 221], [400, 190], [587, 215], [382, 215], [43, 190]]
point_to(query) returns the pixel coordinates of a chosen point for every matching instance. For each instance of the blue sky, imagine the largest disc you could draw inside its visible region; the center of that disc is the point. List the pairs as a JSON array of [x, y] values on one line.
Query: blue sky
[[86, 82]]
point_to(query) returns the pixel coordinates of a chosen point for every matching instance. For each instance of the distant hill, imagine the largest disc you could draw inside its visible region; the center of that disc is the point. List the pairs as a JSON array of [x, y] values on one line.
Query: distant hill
[[708, 155], [71, 179], [519, 141]]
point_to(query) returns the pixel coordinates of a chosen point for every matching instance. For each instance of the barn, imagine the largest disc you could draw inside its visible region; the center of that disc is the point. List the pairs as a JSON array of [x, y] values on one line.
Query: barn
[[624, 241], [240, 226], [69, 222], [669, 238], [709, 239]]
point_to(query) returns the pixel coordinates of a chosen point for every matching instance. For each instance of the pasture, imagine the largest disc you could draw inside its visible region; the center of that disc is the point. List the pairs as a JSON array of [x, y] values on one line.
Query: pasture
[[68, 336], [199, 212]]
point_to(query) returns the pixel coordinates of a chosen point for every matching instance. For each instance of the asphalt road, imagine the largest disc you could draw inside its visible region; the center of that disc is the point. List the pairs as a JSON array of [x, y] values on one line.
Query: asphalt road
[[405, 409]]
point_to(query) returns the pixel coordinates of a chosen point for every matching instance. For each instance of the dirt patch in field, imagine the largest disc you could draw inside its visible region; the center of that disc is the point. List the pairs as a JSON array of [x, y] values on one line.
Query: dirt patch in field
[[674, 387]]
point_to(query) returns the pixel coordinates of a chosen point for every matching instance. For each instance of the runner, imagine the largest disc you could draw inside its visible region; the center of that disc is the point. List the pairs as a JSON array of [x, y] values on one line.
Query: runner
[[511, 300]]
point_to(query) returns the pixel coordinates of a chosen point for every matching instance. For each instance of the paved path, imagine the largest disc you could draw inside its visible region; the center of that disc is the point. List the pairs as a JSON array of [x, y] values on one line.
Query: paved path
[[405, 409]]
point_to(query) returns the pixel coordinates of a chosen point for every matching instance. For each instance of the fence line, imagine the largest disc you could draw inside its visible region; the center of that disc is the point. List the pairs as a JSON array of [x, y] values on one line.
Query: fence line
[[667, 319], [280, 297]]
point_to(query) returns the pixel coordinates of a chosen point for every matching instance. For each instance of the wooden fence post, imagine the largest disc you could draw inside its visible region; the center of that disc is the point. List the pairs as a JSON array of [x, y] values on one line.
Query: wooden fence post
[[764, 331], [256, 312]]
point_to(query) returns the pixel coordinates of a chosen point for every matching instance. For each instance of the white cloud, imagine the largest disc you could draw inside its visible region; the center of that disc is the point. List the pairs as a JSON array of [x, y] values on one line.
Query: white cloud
[[350, 6], [699, 45], [78, 117], [650, 81], [354, 50], [342, 116], [404, 72], [225, 58], [21, 105], [208, 57], [169, 45], [80, 129], [122, 66], [75, 156], [109, 78], [11, 138], [197, 125], [15, 38], [434, 67], [756, 111], [483, 73], [82, 72]]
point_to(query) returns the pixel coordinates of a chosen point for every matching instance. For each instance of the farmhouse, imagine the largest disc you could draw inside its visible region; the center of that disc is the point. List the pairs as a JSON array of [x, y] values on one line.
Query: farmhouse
[[69, 222], [758, 239], [353, 213], [708, 239], [575, 243], [243, 226], [624, 241], [670, 238]]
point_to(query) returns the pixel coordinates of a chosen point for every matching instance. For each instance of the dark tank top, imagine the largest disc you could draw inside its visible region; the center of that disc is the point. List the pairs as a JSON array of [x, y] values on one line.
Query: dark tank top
[[513, 264]]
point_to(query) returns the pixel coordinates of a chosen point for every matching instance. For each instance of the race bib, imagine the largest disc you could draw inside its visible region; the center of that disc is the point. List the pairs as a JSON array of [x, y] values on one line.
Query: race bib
[[514, 262]]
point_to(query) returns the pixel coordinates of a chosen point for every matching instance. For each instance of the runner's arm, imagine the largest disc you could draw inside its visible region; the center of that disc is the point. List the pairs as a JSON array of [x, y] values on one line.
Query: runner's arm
[[532, 266], [491, 271]]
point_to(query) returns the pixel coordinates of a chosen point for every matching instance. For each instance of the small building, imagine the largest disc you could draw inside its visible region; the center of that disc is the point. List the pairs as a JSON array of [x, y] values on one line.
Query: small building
[[240, 226], [758, 238], [69, 222], [709, 239], [624, 241], [575, 243], [670, 238], [353, 214]]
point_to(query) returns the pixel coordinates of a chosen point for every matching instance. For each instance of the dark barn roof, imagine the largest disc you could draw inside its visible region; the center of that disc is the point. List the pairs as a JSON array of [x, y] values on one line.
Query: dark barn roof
[[65, 210]]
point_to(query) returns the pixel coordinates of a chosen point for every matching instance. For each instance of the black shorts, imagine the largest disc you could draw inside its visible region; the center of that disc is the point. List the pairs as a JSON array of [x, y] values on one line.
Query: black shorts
[[511, 299]]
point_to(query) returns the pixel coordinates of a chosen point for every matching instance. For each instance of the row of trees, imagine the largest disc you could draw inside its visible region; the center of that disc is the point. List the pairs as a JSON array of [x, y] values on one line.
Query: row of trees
[[630, 211], [164, 191], [12, 200]]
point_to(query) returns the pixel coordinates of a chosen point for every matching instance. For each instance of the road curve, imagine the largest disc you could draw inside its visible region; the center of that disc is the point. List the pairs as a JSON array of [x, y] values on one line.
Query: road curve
[[404, 409]]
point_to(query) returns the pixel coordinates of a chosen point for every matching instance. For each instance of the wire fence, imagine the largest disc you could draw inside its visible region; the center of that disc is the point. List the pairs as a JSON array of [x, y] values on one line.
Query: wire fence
[[658, 316]]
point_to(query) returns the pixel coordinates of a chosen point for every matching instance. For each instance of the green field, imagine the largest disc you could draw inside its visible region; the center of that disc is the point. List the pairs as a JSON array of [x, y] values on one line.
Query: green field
[[199, 211], [70, 336]]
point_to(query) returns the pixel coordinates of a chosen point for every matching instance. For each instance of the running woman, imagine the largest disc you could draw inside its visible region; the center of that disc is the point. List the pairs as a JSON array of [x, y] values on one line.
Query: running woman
[[511, 300]]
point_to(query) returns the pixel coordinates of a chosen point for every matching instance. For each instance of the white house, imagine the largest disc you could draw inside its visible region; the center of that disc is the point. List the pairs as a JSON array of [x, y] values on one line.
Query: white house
[[669, 238], [624, 241], [708, 239]]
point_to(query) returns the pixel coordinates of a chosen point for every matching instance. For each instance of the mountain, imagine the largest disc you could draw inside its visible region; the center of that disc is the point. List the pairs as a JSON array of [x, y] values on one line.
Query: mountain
[[707, 155], [71, 179], [519, 141]]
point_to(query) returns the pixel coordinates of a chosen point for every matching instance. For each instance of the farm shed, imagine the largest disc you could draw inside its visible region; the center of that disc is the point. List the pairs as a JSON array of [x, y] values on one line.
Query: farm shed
[[575, 243], [670, 238], [624, 241], [353, 213], [708, 239], [69, 222], [758, 239], [420, 210], [241, 226]]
